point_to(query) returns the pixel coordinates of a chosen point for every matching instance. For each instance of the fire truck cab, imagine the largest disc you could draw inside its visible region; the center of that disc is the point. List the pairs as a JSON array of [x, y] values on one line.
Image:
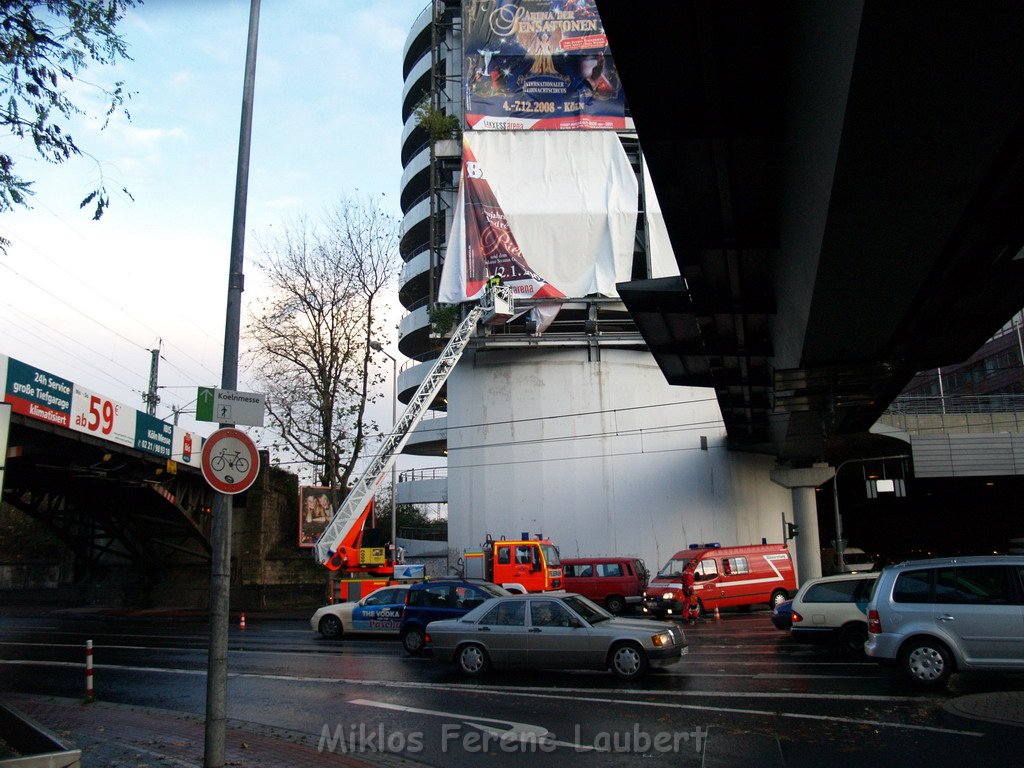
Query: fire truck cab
[[519, 565]]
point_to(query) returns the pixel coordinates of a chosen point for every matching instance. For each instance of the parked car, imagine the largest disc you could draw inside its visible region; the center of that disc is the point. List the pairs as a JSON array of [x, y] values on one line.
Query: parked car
[[833, 610], [378, 612], [855, 560], [935, 617], [549, 631], [724, 577], [782, 615], [433, 600], [614, 582]]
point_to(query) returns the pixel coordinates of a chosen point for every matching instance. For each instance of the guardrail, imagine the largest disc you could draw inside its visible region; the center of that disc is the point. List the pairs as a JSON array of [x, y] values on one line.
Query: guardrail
[[913, 405]]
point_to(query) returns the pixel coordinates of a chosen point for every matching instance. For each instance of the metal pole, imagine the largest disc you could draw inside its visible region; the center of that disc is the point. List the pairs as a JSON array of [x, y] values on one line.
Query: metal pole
[[394, 467], [220, 564]]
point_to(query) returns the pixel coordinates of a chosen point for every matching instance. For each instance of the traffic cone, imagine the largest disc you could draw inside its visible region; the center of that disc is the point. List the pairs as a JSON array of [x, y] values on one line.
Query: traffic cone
[[718, 616], [241, 624]]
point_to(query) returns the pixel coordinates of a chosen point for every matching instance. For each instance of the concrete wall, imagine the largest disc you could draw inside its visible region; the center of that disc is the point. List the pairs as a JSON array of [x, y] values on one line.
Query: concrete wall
[[602, 457]]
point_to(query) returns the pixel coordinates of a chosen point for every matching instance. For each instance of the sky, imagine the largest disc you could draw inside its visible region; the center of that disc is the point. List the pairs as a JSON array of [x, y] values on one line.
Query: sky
[[87, 300]]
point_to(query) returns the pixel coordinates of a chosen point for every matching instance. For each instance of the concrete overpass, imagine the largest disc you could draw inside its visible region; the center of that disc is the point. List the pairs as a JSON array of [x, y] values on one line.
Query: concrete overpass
[[843, 184]]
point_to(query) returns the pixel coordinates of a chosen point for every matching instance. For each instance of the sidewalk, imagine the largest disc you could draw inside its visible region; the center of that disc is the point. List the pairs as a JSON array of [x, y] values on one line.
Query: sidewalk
[[123, 736]]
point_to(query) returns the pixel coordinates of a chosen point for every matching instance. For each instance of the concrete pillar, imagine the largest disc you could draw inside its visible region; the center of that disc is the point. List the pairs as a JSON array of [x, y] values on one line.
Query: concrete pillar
[[802, 481]]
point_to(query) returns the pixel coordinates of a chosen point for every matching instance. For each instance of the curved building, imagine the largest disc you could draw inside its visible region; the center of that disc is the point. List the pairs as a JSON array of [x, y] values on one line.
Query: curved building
[[555, 424]]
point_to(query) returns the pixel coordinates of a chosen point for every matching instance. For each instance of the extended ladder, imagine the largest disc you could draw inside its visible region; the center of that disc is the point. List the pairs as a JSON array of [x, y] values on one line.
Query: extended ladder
[[350, 513]]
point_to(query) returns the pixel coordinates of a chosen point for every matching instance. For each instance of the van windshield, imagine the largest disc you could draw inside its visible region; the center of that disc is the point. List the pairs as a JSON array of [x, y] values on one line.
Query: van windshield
[[673, 569]]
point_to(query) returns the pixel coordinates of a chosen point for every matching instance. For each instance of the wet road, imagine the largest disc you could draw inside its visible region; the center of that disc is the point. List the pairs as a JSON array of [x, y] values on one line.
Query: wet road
[[746, 694]]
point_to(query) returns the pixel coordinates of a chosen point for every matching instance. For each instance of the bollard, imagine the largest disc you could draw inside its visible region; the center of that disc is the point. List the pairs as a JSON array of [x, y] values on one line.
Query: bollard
[[88, 671]]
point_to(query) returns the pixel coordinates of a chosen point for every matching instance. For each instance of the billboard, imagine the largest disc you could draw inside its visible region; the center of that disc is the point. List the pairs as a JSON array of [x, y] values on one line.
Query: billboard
[[315, 511], [40, 395], [539, 65]]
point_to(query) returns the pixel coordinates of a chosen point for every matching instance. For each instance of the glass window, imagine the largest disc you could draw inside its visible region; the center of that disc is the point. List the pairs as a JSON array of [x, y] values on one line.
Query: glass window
[[732, 565], [468, 598], [581, 570], [843, 591], [382, 597], [548, 613], [506, 614], [437, 597], [708, 569], [974, 585], [912, 587], [609, 569], [673, 569], [504, 556], [551, 555], [524, 553]]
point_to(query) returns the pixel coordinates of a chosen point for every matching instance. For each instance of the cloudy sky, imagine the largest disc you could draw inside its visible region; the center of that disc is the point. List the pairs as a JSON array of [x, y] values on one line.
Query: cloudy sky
[[86, 300]]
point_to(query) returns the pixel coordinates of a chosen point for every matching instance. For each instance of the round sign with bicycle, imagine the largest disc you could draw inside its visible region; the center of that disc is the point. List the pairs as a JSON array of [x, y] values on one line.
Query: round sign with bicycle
[[230, 461]]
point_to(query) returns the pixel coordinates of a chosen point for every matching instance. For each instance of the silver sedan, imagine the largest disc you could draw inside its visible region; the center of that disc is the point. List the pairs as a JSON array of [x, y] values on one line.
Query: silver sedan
[[549, 631]]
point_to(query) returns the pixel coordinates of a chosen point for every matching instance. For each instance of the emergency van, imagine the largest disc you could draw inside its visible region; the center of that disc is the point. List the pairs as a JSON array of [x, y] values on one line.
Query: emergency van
[[724, 577]]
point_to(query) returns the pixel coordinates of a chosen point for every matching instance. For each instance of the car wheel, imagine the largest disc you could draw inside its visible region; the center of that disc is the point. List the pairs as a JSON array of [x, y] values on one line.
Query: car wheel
[[852, 639], [412, 641], [778, 596], [628, 661], [330, 626], [615, 604], [472, 660], [926, 662]]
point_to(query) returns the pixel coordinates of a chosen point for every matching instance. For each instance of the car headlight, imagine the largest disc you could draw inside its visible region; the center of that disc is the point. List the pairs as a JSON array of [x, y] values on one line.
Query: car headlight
[[663, 639], [668, 595]]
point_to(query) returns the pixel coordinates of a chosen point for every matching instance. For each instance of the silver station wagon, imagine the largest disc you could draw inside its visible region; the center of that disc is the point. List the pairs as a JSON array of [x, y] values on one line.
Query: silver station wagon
[[549, 631]]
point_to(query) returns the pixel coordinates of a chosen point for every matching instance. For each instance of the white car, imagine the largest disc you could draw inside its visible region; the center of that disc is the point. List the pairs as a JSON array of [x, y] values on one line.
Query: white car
[[833, 609], [378, 612]]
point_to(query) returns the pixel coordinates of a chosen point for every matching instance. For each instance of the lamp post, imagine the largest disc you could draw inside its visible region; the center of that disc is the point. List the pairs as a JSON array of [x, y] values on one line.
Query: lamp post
[[376, 346]]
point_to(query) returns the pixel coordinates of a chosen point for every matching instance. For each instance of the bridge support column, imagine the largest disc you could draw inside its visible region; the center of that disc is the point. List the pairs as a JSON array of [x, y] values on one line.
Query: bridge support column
[[802, 482]]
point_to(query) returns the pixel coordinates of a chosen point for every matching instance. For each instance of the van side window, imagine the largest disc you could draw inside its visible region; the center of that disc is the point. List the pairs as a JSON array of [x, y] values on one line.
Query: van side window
[[974, 585], [911, 587], [707, 569], [609, 569], [578, 570], [735, 565]]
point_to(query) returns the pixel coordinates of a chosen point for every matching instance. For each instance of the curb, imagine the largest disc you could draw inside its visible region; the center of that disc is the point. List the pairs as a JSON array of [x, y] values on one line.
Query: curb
[[1005, 709]]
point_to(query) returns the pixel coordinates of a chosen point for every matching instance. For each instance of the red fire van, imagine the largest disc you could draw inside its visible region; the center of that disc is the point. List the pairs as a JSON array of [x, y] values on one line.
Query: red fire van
[[724, 577]]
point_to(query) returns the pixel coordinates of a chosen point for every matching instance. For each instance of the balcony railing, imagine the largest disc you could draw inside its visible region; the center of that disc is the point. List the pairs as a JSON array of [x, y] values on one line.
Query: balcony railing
[[939, 404]]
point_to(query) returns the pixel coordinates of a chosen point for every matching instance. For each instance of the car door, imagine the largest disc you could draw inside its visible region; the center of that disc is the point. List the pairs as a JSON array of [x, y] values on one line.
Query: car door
[[379, 612], [978, 605], [502, 630], [552, 641]]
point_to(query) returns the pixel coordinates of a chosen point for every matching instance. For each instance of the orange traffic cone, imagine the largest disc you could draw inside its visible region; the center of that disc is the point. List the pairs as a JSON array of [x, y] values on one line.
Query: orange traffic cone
[[241, 624], [718, 616]]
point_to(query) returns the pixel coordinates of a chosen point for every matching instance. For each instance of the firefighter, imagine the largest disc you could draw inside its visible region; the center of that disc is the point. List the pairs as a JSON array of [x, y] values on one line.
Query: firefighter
[[689, 604], [494, 281]]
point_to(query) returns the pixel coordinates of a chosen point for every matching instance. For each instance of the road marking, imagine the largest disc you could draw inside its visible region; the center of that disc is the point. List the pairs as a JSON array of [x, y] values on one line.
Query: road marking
[[543, 693]]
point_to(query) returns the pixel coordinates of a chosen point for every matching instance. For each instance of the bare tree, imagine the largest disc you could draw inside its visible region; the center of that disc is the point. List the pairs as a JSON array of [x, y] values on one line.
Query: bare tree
[[328, 286]]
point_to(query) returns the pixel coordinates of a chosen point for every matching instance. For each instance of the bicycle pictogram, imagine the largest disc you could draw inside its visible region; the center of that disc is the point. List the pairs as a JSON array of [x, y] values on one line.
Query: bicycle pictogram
[[233, 460]]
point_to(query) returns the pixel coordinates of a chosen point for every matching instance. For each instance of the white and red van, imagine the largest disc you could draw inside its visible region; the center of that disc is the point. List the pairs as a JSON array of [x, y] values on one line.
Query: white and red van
[[724, 577]]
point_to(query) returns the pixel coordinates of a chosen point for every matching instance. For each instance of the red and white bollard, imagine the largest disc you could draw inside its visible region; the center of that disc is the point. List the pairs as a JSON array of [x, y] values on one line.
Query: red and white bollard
[[88, 670], [241, 624]]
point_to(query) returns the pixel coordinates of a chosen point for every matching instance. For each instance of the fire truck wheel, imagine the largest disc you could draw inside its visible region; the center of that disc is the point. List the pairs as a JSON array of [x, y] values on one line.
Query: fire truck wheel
[[330, 627], [472, 660], [615, 604], [412, 641], [628, 661]]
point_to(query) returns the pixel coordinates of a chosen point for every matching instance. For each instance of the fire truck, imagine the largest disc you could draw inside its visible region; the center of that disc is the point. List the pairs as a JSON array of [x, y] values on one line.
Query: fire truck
[[519, 565], [341, 547]]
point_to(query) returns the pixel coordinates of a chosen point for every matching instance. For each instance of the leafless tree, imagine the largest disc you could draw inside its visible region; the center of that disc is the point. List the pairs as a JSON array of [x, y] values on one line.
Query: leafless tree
[[328, 288]]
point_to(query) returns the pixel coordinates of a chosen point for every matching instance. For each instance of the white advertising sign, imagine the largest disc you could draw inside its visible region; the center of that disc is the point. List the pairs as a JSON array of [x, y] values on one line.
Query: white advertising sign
[[102, 417]]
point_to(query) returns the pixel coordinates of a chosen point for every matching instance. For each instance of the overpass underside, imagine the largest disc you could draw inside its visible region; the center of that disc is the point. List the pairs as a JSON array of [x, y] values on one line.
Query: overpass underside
[[843, 185], [111, 507]]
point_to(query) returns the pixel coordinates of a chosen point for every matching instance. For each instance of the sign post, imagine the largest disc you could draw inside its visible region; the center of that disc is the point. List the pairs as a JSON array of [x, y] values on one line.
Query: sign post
[[5, 427]]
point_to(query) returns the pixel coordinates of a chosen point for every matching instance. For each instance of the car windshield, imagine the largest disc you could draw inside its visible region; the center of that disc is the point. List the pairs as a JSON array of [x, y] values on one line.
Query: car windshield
[[673, 568], [551, 555], [591, 612]]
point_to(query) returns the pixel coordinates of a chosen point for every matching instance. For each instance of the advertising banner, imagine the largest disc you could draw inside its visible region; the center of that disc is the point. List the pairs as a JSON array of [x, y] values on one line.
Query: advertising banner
[[539, 65], [553, 214], [315, 511], [40, 395]]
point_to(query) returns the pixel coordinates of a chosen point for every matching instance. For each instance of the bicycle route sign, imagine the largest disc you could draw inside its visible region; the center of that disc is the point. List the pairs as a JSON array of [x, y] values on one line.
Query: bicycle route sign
[[230, 461]]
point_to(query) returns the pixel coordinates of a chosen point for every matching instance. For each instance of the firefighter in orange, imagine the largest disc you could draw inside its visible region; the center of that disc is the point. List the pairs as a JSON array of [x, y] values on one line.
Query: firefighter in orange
[[690, 604]]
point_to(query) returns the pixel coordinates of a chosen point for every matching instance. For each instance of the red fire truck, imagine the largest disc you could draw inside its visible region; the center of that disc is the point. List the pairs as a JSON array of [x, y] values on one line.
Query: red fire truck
[[519, 565]]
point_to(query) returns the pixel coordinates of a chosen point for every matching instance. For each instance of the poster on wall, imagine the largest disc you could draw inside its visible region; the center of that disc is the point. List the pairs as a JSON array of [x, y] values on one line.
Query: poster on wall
[[553, 214], [539, 65], [315, 511]]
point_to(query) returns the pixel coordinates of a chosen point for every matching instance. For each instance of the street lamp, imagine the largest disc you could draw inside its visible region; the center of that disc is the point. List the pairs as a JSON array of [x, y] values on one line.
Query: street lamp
[[376, 346]]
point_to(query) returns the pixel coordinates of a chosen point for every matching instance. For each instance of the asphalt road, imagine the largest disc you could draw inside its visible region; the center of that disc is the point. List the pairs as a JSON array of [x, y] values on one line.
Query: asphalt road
[[746, 694]]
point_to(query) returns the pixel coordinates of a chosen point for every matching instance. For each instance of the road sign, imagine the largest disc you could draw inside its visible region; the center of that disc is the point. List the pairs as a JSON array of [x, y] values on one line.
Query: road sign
[[226, 406], [230, 461]]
